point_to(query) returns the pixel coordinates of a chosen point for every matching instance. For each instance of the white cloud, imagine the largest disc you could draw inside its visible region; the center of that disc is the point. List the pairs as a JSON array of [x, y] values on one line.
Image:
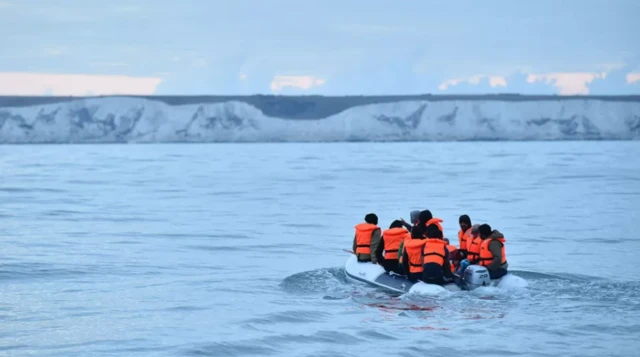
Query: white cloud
[[569, 83], [497, 81], [449, 82], [242, 76], [633, 77], [4, 4], [301, 82], [494, 81], [25, 83]]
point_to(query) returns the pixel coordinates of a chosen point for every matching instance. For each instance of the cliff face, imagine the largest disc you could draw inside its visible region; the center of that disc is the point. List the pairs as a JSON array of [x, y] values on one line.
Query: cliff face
[[269, 119]]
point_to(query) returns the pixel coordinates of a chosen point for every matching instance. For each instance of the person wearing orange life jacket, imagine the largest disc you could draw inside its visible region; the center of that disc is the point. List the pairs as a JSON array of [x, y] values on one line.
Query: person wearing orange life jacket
[[492, 252], [464, 233], [436, 266], [415, 220], [455, 256], [471, 254], [417, 232], [473, 245], [390, 244], [367, 239]]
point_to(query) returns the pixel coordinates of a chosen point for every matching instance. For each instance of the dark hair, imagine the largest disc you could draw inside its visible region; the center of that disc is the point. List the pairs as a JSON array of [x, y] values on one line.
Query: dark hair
[[396, 224], [465, 218], [371, 218], [425, 216], [484, 230], [417, 231], [433, 231]]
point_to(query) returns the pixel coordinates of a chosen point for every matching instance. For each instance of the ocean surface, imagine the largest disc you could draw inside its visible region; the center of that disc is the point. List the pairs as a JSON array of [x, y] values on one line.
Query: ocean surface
[[237, 249]]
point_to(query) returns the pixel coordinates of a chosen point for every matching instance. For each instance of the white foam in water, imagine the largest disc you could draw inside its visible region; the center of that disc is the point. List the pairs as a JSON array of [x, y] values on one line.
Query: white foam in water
[[123, 119], [511, 281]]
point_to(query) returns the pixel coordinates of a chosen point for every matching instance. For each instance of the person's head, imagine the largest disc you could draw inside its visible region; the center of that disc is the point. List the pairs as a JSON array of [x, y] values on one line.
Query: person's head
[[417, 232], [433, 231], [396, 224], [456, 256], [415, 217], [424, 216], [484, 230], [474, 230], [465, 222], [371, 218]]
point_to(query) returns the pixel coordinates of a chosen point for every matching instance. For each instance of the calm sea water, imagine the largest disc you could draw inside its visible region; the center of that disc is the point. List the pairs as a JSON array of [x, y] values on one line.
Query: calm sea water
[[236, 250]]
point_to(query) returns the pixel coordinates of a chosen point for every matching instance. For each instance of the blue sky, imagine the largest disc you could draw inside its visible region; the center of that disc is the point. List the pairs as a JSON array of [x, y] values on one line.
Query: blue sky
[[324, 47]]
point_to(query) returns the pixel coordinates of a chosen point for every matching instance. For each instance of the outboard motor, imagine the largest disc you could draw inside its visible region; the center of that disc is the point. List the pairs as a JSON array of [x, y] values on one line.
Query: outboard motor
[[476, 276]]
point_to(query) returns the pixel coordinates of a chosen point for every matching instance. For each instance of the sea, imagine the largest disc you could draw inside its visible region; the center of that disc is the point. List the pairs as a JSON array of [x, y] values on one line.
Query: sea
[[238, 249]]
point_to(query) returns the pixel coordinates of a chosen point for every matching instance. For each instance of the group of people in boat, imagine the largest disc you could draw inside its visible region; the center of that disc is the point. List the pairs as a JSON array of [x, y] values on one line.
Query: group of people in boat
[[419, 250]]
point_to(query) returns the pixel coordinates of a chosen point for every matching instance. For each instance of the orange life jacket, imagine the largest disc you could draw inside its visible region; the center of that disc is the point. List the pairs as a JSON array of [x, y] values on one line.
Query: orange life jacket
[[433, 251], [401, 253], [486, 257], [392, 239], [463, 238], [473, 249], [451, 249], [435, 221], [413, 248], [363, 237]]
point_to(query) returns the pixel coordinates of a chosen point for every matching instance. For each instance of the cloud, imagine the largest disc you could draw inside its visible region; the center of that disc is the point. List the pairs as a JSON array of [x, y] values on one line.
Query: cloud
[[301, 82], [494, 81], [25, 83], [497, 81], [633, 77], [4, 4], [242, 76], [569, 83]]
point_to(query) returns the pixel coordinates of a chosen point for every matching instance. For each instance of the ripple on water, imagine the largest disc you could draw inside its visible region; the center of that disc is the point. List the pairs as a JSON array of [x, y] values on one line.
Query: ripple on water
[[29, 271], [273, 344], [332, 280], [293, 316]]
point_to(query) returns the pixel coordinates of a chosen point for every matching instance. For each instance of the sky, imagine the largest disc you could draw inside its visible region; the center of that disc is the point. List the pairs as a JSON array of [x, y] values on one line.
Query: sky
[[328, 47]]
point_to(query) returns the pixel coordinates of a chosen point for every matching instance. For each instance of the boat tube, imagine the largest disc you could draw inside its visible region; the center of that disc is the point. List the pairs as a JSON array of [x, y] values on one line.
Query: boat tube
[[474, 276]]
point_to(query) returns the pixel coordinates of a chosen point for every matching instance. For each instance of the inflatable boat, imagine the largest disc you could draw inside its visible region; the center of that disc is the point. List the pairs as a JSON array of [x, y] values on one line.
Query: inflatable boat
[[474, 276]]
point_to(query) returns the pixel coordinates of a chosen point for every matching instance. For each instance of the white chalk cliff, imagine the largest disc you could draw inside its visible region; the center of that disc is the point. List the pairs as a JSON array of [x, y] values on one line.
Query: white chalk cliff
[[130, 119]]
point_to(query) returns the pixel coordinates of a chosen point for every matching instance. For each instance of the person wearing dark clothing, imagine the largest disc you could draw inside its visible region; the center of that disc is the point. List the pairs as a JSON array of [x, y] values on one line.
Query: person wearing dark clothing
[[367, 239], [424, 217], [436, 267], [492, 252], [410, 268], [390, 243], [464, 234], [415, 219], [412, 263]]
